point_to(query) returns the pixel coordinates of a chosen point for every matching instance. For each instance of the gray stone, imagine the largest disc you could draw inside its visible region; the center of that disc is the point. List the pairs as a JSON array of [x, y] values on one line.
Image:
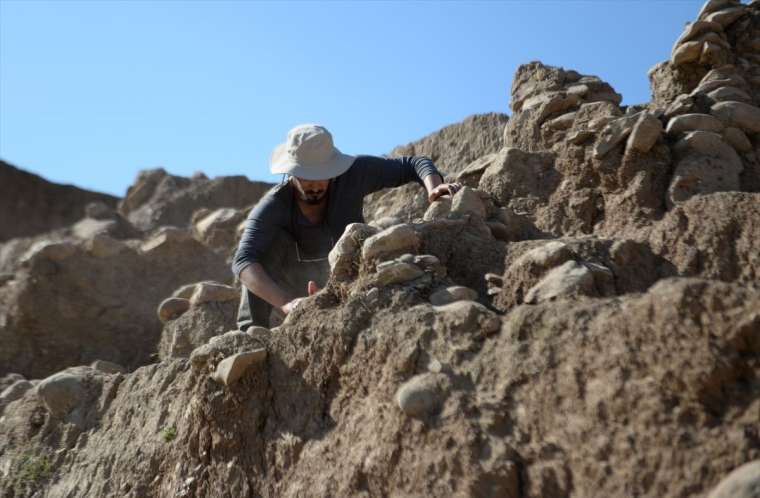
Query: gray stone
[[562, 122], [206, 292], [185, 292], [397, 272], [546, 256], [683, 104], [452, 294], [737, 139], [107, 367], [54, 251], [386, 222], [62, 392], [467, 202], [422, 395], [742, 482], [738, 115], [400, 238], [102, 245], [614, 133], [171, 308], [469, 317], [645, 133], [569, 279], [691, 122], [728, 93], [14, 392], [231, 369], [713, 54]]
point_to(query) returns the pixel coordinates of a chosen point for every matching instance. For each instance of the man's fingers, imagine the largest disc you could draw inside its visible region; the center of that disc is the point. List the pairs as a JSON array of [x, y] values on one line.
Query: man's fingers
[[312, 288]]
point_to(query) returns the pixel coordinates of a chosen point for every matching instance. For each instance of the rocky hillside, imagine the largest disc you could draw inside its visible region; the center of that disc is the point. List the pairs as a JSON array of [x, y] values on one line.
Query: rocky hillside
[[583, 320], [30, 205]]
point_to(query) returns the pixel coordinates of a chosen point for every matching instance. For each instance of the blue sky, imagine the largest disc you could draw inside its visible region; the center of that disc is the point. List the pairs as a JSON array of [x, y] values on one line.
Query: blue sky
[[93, 91]]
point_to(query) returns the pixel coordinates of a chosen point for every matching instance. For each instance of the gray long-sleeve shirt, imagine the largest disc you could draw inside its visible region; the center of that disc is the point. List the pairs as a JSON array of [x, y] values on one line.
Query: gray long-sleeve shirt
[[345, 202]]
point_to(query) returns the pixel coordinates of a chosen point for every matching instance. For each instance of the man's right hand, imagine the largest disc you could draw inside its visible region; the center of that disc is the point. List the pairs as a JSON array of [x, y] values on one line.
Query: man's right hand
[[311, 289]]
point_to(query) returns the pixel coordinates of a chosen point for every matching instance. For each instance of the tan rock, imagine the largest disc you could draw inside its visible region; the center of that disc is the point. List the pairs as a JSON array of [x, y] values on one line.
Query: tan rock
[[613, 134], [467, 202], [62, 392], [394, 239], [206, 292], [725, 93], [713, 54], [686, 52], [738, 115], [172, 307], [108, 367], [742, 482], [231, 369], [737, 139], [711, 6], [341, 256], [396, 272], [726, 17], [452, 294], [164, 237], [645, 133], [438, 209], [422, 395], [695, 29], [691, 122], [569, 279]]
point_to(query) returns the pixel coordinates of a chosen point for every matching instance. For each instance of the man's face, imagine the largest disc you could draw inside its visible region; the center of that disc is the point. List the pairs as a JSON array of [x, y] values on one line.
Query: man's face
[[311, 191]]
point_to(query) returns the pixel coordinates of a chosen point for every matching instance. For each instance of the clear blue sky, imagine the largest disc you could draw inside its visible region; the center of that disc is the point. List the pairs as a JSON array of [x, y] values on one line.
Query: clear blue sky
[[93, 91]]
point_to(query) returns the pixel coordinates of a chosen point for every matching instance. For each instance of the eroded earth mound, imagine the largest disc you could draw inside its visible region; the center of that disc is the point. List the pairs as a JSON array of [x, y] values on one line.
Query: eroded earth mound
[[583, 319]]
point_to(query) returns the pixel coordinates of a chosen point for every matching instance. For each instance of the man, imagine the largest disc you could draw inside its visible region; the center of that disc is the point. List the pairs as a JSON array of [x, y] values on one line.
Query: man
[[282, 255]]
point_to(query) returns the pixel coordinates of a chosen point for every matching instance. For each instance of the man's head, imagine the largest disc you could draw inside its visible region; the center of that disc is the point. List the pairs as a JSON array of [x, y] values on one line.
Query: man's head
[[309, 154], [310, 191]]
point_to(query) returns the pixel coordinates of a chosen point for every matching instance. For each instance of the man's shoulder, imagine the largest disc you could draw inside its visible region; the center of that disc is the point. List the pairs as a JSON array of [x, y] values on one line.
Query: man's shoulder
[[273, 202]]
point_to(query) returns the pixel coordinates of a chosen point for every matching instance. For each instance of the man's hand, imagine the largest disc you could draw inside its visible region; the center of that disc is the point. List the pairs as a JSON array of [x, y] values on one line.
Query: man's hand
[[311, 289], [443, 189]]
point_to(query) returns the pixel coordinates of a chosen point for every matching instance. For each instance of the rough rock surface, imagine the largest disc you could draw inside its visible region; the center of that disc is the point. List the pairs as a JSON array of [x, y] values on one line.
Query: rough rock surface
[[581, 321], [30, 205]]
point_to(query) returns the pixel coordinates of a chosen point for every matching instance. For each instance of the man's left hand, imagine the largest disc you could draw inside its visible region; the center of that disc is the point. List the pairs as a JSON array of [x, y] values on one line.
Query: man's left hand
[[444, 189]]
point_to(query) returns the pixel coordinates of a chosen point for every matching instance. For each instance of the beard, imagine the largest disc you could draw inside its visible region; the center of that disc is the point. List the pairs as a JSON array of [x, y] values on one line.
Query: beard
[[313, 196]]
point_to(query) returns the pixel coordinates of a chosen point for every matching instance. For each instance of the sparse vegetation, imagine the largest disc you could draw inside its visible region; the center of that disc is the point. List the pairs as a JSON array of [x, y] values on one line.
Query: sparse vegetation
[[169, 433], [34, 469]]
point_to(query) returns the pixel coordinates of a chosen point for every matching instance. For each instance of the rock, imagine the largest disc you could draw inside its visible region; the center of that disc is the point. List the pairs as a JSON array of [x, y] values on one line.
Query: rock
[[396, 272], [713, 54], [206, 292], [224, 345], [695, 29], [687, 52], [104, 246], [711, 6], [14, 392], [726, 17], [470, 175], [218, 228], [562, 122], [729, 93], [391, 240], [341, 256], [738, 115], [438, 209], [691, 122], [518, 177], [185, 291], [196, 327], [645, 133], [452, 294], [737, 139], [165, 237], [614, 133], [742, 482], [108, 367], [231, 369], [468, 317], [386, 222], [172, 307], [53, 251], [467, 202], [569, 279], [546, 256], [422, 395], [62, 392], [683, 104]]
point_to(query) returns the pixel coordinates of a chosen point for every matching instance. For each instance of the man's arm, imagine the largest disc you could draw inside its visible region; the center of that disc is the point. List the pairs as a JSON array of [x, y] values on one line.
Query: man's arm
[[376, 173], [258, 281]]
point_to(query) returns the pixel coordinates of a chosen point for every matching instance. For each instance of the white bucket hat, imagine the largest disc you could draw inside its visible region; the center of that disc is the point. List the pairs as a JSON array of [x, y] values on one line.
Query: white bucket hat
[[309, 153]]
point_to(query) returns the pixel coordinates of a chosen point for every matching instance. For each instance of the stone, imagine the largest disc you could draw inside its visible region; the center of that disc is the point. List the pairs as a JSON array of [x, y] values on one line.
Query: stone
[[218, 228], [231, 369], [341, 256], [546, 256], [726, 17], [53, 251], [727, 93], [104, 246], [386, 221], [687, 52], [172, 307], [422, 395], [683, 104], [62, 392], [467, 202], [695, 29], [579, 137], [737, 139], [742, 482], [562, 122], [185, 291], [711, 6], [738, 115], [14, 392], [468, 317], [399, 238], [691, 122], [206, 292], [471, 174], [438, 209], [225, 344], [108, 367], [451, 294], [257, 331], [166, 236], [645, 133], [713, 54], [569, 279], [614, 133], [397, 272], [99, 210]]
